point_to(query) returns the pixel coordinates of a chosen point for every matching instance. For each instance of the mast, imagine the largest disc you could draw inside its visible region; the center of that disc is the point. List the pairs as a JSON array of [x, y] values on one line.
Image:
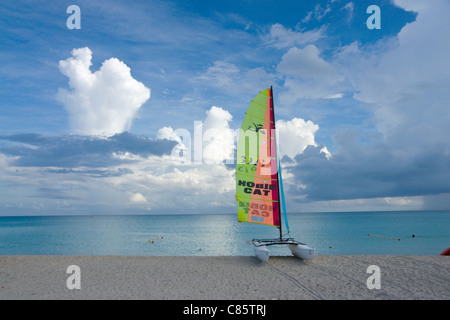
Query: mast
[[278, 169]]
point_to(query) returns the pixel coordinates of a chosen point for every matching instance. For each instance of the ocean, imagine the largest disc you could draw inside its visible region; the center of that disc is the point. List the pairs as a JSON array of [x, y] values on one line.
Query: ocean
[[343, 233]]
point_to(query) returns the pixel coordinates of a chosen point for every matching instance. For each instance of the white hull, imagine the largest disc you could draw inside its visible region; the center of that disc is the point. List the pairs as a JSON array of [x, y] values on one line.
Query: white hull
[[302, 251], [262, 253], [299, 250]]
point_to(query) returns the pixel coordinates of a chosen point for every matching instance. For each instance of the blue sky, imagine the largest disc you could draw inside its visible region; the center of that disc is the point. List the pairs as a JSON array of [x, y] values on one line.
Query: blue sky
[[89, 118]]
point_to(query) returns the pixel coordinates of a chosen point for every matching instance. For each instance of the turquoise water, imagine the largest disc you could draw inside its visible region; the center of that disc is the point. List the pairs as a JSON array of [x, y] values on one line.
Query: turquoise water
[[216, 235]]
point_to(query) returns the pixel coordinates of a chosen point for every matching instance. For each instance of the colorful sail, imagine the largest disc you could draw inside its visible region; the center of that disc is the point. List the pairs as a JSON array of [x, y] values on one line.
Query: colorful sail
[[256, 164]]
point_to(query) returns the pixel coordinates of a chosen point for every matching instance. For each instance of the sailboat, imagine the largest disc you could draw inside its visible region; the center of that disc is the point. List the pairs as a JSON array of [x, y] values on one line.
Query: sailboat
[[259, 185]]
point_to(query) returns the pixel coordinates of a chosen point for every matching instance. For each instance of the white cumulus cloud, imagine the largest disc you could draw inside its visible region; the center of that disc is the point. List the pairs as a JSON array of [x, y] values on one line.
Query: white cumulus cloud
[[306, 63], [309, 76], [218, 138], [212, 143], [295, 136], [100, 103], [138, 198]]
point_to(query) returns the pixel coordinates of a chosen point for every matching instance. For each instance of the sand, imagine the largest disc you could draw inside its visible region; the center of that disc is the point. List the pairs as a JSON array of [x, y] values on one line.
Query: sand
[[225, 278]]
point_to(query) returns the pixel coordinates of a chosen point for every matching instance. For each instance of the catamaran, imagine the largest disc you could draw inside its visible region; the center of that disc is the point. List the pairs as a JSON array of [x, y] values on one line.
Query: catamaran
[[259, 185]]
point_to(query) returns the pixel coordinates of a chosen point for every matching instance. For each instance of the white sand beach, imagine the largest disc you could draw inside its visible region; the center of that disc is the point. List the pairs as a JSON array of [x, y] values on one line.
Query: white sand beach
[[227, 278]]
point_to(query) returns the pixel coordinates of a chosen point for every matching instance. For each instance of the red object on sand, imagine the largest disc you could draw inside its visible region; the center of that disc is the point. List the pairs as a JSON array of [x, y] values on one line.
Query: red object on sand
[[446, 252]]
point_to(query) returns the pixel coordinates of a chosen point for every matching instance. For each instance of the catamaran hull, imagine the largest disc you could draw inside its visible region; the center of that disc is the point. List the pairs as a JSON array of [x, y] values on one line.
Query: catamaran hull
[[262, 253], [298, 249], [302, 251]]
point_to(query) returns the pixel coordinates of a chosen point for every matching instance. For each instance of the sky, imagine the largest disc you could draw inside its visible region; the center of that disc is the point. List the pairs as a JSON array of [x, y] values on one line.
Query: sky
[[136, 110]]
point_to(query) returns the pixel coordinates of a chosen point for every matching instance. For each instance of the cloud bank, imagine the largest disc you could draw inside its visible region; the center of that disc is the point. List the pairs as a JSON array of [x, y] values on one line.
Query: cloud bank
[[74, 151], [403, 83], [100, 103]]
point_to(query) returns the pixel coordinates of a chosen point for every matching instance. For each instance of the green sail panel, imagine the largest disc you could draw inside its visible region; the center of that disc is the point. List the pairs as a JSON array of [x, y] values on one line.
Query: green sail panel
[[256, 164]]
